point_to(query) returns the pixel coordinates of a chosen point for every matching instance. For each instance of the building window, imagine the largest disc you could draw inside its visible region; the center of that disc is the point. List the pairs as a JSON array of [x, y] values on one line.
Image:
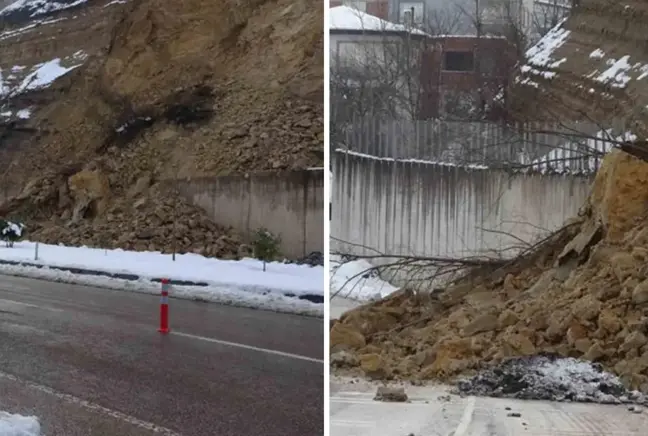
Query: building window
[[458, 61], [360, 5]]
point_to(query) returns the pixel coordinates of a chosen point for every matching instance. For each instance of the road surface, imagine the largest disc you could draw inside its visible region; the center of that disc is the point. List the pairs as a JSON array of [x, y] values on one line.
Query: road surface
[[432, 412], [89, 362]]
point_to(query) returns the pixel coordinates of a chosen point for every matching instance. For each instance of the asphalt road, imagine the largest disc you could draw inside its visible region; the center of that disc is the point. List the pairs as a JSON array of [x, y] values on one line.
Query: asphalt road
[[433, 412], [90, 361]]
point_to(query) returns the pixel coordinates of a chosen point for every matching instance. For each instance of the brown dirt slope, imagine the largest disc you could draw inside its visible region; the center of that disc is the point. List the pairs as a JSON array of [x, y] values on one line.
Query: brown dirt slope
[[583, 294], [568, 84], [169, 89]]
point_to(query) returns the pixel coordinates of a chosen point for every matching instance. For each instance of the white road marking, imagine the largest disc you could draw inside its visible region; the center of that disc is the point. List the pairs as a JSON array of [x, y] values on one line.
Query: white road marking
[[13, 287], [93, 407], [352, 423], [466, 418], [250, 347], [20, 303]]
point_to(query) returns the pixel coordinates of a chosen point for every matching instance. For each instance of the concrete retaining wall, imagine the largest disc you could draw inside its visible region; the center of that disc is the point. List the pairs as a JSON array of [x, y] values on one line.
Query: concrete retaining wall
[[289, 204], [433, 210]]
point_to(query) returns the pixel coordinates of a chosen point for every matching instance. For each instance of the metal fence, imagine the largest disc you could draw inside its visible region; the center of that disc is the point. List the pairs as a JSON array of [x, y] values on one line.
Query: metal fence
[[575, 147]]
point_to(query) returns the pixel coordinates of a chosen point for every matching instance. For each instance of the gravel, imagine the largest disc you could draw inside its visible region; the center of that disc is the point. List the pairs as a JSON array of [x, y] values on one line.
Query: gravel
[[552, 378]]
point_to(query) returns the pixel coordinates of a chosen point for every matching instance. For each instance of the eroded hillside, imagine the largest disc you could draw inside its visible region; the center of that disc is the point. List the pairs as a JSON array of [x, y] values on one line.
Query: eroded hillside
[[148, 90], [591, 67]]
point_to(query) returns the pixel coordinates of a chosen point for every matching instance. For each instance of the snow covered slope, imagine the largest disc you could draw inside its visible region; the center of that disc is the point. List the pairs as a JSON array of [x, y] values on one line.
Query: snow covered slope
[[24, 10], [41, 41], [592, 66]]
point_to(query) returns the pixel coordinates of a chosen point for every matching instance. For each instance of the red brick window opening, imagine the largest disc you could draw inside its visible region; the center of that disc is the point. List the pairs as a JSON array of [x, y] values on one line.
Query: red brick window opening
[[458, 61]]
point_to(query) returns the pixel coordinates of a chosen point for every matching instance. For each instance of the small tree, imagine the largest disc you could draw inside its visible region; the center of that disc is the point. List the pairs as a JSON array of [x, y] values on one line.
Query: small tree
[[265, 246], [11, 232]]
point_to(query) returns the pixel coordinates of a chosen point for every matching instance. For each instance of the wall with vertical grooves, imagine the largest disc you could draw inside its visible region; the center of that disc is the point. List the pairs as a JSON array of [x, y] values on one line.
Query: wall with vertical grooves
[[400, 207], [289, 204]]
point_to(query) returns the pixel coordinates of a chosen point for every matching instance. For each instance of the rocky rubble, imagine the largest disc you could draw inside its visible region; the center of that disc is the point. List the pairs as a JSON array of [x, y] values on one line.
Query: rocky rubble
[[82, 211], [581, 294]]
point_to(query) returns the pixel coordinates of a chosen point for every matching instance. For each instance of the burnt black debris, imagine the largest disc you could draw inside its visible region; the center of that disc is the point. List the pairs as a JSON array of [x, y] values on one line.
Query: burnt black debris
[[552, 378]]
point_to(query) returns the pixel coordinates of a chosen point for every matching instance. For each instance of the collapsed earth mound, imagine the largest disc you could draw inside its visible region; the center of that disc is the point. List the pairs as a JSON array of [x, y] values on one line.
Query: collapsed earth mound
[[582, 294]]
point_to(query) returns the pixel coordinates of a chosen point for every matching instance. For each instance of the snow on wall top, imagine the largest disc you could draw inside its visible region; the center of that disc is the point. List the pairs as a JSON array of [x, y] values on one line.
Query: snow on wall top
[[346, 18], [581, 156]]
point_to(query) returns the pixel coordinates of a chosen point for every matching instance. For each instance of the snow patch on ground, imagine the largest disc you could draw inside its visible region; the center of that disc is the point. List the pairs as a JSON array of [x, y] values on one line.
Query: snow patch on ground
[[353, 280], [40, 7], [115, 2], [541, 54], [221, 294], [33, 25], [38, 77], [233, 282], [18, 425], [552, 378], [44, 75], [246, 274], [24, 114]]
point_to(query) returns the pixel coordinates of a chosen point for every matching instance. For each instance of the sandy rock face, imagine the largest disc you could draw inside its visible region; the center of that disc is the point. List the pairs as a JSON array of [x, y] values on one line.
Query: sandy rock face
[[620, 193], [583, 294], [89, 190]]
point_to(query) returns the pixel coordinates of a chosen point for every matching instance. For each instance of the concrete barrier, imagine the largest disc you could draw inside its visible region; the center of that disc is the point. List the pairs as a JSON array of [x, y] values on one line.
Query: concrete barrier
[[289, 204]]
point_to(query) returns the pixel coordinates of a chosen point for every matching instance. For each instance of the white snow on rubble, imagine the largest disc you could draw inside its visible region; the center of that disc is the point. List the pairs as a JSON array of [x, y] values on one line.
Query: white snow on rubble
[[39, 7], [18, 425]]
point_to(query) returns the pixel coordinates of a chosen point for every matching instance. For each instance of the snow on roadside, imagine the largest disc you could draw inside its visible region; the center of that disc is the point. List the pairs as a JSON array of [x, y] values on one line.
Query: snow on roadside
[[233, 282], [247, 274], [221, 294], [18, 425], [351, 280]]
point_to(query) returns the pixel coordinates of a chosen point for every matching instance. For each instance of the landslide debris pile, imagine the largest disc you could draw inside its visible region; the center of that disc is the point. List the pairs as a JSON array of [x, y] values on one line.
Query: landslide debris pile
[[582, 294], [155, 90]]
